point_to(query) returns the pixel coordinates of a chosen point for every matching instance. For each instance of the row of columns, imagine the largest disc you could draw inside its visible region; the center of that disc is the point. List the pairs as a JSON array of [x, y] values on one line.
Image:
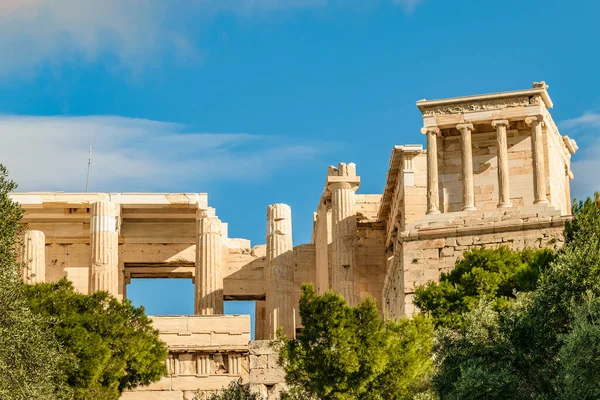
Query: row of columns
[[466, 129], [280, 259], [104, 262]]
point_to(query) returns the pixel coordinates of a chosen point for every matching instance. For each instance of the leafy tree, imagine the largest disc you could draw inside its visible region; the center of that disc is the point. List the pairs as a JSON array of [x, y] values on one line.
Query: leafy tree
[[235, 391], [580, 353], [29, 354], [494, 274], [543, 346], [112, 343], [477, 360], [348, 352]]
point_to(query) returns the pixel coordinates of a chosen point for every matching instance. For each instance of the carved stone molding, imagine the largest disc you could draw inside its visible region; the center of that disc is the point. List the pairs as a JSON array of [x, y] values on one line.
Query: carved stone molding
[[458, 108]]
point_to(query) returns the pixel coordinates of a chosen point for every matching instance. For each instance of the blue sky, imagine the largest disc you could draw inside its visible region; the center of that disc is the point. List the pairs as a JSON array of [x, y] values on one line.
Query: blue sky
[[251, 100]]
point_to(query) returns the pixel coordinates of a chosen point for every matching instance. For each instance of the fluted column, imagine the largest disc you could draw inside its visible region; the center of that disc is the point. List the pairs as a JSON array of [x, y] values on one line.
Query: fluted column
[[503, 182], [322, 241], [467, 166], [34, 257], [280, 271], [539, 171], [209, 264], [433, 196], [345, 278], [104, 274]]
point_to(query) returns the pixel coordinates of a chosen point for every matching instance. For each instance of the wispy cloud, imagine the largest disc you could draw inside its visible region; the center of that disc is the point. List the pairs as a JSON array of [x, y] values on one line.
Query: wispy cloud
[[134, 32], [50, 153], [585, 121], [586, 163], [409, 5]]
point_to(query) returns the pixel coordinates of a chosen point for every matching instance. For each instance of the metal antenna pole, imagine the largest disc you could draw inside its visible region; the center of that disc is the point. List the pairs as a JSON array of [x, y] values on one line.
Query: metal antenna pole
[[87, 179]]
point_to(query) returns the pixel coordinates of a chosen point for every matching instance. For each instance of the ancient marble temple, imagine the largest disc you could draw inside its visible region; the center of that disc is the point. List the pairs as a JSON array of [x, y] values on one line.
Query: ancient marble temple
[[495, 171]]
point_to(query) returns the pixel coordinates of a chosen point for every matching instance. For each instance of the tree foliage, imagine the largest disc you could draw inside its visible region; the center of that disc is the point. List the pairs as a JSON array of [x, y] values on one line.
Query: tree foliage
[[348, 352], [580, 353], [494, 274], [236, 390], [112, 344], [29, 354], [543, 346]]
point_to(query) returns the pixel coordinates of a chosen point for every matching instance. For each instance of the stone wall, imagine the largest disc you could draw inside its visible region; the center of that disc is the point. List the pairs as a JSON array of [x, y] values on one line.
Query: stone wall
[[206, 353], [266, 378], [371, 260], [424, 253]]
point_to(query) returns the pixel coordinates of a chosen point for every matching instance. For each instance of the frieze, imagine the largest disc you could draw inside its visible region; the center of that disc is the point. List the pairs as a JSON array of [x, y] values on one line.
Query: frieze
[[481, 105]]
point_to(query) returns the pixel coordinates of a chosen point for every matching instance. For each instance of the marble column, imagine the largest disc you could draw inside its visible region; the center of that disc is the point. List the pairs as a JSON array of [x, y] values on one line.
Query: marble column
[[503, 178], [322, 241], [467, 166], [280, 272], [33, 257], [539, 165], [209, 265], [433, 195], [345, 278], [104, 274]]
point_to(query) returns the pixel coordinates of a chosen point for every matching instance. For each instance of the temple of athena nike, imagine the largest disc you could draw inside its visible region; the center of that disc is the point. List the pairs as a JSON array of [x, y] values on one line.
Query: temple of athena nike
[[495, 171]]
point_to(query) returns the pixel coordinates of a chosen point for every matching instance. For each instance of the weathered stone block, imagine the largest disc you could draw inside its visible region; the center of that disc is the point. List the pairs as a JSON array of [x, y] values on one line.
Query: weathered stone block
[[258, 362]]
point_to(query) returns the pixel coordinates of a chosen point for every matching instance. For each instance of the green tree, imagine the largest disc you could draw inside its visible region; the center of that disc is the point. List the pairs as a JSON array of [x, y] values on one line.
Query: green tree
[[494, 274], [348, 352], [112, 344], [580, 353], [29, 354], [236, 390], [543, 346]]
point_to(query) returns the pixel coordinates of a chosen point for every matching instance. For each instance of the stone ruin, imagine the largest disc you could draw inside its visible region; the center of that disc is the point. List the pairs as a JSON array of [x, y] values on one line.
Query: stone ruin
[[496, 171]]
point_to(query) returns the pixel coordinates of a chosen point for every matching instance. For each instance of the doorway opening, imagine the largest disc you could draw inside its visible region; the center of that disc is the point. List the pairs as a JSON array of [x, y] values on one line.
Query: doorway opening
[[162, 296]]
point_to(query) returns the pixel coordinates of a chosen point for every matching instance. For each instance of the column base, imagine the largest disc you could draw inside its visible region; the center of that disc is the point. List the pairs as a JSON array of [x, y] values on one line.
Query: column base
[[433, 212], [541, 202], [505, 205], [469, 208]]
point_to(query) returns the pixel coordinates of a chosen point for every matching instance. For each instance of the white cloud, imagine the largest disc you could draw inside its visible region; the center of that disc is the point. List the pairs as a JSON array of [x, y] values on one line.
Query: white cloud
[[409, 5], [586, 162], [51, 153], [585, 121], [35, 32]]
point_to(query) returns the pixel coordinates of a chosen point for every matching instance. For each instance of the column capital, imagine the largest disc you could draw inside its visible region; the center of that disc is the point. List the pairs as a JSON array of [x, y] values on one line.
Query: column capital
[[342, 177], [434, 130], [466, 126], [534, 120], [500, 122]]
